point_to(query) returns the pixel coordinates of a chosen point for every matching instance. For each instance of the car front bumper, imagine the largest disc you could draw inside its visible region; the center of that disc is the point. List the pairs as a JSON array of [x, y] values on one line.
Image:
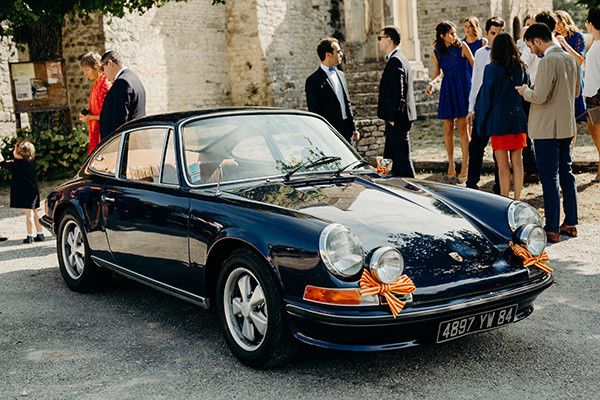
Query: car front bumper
[[361, 330]]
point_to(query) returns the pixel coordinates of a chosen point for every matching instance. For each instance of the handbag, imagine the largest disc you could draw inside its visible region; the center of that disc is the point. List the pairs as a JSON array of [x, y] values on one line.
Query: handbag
[[593, 111]]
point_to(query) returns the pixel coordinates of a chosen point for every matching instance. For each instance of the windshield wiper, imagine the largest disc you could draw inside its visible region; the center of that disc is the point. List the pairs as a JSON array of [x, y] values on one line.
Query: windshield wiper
[[354, 164], [308, 164]]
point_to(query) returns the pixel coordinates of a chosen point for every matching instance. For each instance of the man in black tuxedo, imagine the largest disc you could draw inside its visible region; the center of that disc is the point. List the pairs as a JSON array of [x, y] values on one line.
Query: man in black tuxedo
[[126, 99], [327, 92], [396, 105]]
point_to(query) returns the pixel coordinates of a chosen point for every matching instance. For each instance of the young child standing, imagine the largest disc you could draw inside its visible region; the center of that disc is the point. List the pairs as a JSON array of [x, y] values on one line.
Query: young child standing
[[24, 191]]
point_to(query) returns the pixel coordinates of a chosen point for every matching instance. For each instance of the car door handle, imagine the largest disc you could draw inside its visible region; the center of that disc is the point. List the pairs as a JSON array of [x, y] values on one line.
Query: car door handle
[[107, 199]]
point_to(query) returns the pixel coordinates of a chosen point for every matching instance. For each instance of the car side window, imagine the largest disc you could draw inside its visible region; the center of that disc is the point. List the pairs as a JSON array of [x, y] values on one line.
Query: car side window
[[169, 170], [142, 155], [105, 160]]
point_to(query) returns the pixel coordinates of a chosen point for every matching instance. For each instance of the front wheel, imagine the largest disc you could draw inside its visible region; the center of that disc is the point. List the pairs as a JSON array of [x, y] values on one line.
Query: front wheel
[[251, 312], [78, 270]]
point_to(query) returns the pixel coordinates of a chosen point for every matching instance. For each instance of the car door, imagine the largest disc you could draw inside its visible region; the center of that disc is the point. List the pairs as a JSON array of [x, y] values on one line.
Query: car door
[[147, 223]]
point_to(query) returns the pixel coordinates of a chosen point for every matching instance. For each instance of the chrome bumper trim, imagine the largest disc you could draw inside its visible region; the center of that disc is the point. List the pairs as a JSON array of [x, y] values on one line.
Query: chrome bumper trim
[[409, 313]]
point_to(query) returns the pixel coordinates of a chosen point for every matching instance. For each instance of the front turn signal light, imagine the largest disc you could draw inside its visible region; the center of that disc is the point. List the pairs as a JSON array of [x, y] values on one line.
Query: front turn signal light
[[340, 297]]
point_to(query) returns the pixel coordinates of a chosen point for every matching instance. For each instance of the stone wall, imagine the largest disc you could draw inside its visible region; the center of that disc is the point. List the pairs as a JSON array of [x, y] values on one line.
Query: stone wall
[[432, 12], [8, 53], [272, 49], [179, 52], [80, 35]]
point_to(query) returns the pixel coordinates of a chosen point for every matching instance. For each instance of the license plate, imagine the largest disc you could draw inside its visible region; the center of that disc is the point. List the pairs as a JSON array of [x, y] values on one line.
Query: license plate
[[484, 321]]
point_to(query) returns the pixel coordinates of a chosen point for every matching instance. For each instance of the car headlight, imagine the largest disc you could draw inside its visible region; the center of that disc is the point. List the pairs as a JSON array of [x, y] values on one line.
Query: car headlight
[[341, 250], [520, 213], [534, 238], [387, 264]]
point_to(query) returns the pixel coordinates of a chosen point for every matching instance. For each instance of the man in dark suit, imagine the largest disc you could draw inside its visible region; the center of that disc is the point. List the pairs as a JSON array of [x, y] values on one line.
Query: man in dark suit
[[126, 99], [327, 92], [396, 105]]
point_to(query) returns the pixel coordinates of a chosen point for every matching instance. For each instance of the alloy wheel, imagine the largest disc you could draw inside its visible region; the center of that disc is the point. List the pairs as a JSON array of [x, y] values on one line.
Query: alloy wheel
[[245, 309], [73, 249]]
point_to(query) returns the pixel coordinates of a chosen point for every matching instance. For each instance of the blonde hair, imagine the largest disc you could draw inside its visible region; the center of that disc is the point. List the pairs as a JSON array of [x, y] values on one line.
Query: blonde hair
[[91, 59], [26, 150], [474, 21], [567, 20]]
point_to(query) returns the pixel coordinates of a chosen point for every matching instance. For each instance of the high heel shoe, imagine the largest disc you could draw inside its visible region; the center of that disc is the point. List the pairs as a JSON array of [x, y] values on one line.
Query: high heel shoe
[[462, 178]]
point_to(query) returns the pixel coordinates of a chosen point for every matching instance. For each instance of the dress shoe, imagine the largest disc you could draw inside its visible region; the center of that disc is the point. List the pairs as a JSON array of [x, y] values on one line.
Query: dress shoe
[[3, 239], [39, 237], [28, 240], [568, 230], [553, 237]]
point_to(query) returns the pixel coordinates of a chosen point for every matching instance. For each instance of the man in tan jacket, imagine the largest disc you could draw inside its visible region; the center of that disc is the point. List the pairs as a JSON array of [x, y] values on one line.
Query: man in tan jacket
[[552, 127]]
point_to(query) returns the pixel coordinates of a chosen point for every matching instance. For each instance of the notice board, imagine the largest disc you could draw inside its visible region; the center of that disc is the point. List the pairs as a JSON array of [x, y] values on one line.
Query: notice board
[[39, 86]]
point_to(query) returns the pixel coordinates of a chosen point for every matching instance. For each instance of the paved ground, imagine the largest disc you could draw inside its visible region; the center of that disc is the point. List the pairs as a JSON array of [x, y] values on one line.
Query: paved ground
[[130, 342]]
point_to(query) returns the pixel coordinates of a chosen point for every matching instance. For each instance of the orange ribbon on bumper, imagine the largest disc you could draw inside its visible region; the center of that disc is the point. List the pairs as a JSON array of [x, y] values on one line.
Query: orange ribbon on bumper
[[403, 286], [529, 259]]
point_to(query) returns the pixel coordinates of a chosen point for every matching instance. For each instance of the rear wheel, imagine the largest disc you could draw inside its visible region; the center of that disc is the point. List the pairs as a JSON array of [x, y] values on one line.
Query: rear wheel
[[251, 312], [79, 272]]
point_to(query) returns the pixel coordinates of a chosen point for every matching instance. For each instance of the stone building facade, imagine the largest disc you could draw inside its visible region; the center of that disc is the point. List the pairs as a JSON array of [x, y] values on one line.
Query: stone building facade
[[192, 54]]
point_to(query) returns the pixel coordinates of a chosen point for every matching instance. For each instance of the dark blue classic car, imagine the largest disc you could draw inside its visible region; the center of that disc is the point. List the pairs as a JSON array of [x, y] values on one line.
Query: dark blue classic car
[[272, 218]]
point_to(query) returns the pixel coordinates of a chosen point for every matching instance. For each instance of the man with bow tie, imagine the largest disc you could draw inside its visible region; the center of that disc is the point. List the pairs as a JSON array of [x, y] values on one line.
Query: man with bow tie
[[396, 105], [327, 92]]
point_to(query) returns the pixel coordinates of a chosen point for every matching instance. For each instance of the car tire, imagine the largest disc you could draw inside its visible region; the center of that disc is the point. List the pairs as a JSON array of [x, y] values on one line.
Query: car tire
[[251, 312], [78, 270]]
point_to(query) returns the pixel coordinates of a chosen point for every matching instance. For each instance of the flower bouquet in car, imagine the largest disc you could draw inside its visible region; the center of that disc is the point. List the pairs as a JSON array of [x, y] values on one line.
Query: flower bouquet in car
[[384, 165]]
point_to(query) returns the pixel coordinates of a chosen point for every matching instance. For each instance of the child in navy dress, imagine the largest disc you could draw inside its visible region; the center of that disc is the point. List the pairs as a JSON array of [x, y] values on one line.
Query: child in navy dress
[[24, 193], [452, 57]]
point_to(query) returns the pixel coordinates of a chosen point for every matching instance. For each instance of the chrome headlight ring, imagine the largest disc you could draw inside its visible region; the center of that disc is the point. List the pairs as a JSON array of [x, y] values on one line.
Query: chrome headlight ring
[[387, 264], [341, 251], [533, 237], [520, 214]]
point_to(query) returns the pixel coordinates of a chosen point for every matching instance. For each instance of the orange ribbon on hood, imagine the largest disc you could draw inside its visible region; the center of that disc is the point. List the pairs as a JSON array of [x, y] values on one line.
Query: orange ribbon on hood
[[403, 286], [529, 259]]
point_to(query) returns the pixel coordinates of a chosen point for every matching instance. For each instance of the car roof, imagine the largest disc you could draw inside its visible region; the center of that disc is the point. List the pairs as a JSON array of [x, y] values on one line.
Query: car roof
[[176, 117]]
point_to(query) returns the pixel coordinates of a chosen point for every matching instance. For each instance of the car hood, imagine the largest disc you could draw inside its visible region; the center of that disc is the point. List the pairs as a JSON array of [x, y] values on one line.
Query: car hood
[[441, 249]]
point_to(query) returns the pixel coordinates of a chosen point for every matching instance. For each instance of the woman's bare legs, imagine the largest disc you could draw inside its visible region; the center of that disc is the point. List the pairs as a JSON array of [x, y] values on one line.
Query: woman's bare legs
[[465, 138], [449, 143], [595, 133], [503, 171], [516, 159]]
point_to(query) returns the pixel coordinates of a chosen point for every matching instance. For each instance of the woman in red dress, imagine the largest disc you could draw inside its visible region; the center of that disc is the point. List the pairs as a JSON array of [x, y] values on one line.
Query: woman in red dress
[[90, 65]]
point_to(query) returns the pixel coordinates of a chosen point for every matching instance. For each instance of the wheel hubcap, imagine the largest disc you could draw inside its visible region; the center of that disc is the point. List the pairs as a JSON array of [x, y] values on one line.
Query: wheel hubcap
[[73, 249], [245, 309]]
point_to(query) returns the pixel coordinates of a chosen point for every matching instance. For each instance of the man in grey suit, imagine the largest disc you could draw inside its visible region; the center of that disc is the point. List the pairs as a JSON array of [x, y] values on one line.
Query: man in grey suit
[[552, 127], [396, 105]]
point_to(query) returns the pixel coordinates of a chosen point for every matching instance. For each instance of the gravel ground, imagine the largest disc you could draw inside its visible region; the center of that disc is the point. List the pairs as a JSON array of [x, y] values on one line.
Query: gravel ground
[[131, 342]]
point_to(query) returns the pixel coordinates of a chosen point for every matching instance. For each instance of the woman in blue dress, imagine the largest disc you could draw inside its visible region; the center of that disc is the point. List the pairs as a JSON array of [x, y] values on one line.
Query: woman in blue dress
[[452, 57], [573, 42], [473, 36]]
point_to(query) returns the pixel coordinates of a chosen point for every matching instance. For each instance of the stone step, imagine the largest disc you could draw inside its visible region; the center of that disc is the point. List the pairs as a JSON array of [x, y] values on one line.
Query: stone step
[[364, 76], [363, 87], [364, 67]]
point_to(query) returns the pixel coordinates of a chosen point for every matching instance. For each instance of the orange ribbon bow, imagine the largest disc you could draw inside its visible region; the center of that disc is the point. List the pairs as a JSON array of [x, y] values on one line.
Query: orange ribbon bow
[[403, 286], [540, 261]]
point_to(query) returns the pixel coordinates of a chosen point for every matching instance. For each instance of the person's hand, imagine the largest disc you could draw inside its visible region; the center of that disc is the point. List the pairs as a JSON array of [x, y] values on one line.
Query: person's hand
[[470, 118], [355, 136], [392, 123], [85, 118], [521, 89], [561, 39], [429, 90]]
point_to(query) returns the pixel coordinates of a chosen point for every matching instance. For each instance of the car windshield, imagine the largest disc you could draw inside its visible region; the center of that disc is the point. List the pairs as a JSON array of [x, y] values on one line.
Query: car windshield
[[260, 145]]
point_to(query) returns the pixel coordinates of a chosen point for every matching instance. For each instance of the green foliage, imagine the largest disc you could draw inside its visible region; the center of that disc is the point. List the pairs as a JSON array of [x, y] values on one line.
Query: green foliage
[[587, 3], [59, 154]]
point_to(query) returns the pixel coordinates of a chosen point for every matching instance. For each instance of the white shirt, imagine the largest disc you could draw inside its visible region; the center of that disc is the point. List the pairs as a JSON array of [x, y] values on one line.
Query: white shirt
[[549, 48], [336, 83], [531, 60], [481, 59], [120, 72], [591, 82]]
